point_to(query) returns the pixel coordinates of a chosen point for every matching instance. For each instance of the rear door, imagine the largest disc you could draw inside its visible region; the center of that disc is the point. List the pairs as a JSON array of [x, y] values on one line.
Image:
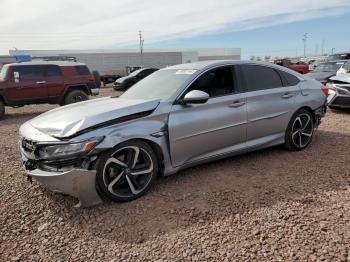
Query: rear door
[[31, 86], [270, 103], [199, 131], [54, 80]]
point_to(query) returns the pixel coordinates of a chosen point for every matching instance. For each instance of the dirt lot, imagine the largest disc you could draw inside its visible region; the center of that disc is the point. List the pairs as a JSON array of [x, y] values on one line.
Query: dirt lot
[[267, 205]]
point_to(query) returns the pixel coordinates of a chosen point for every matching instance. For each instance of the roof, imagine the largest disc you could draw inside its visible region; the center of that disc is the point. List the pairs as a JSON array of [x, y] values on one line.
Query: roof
[[207, 64], [59, 63]]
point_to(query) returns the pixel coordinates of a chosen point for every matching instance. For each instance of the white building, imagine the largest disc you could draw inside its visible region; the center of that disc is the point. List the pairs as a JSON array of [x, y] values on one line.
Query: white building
[[114, 61]]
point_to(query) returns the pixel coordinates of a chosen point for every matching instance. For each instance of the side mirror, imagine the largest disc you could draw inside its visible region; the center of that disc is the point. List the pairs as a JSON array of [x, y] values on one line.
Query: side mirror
[[195, 97], [16, 76]]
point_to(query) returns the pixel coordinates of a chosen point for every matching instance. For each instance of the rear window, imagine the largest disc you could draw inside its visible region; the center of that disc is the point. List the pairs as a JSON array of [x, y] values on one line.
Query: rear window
[[82, 70], [290, 79], [260, 77], [53, 70], [29, 72]]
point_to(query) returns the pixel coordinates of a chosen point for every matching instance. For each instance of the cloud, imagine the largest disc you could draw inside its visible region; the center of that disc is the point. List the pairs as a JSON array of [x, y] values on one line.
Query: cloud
[[81, 24]]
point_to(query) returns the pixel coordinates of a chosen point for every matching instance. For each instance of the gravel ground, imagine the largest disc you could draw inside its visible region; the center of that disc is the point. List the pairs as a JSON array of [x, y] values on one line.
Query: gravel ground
[[262, 206]]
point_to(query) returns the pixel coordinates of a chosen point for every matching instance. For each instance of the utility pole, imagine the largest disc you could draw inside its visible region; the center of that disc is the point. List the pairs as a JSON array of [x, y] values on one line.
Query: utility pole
[[322, 47], [141, 47], [305, 40]]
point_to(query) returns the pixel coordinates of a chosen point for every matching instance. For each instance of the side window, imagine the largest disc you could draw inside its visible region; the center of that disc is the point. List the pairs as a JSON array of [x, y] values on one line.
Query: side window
[[142, 73], [29, 72], [289, 78], [260, 77], [148, 72], [82, 70], [217, 82], [53, 70]]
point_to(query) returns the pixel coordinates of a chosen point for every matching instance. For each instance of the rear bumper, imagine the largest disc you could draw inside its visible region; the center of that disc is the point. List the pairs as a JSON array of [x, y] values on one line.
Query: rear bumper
[[95, 91]]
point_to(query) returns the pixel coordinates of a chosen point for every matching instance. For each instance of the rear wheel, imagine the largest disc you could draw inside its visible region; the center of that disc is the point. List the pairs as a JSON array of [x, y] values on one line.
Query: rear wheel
[[300, 131], [2, 109], [75, 96], [127, 172]]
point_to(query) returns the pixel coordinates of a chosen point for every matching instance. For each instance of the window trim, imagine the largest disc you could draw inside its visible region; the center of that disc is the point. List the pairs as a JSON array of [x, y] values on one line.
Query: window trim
[[233, 69], [244, 83]]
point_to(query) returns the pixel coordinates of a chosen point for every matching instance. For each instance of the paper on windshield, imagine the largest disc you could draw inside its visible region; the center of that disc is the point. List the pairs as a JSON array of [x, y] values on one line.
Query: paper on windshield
[[185, 72]]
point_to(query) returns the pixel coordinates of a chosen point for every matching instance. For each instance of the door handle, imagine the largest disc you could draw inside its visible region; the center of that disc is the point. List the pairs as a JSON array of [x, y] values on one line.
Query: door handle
[[287, 95], [236, 104], [41, 82]]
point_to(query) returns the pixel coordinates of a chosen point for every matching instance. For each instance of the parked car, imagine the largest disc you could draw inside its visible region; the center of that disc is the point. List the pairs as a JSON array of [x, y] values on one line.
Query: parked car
[[339, 56], [45, 82], [344, 70], [300, 67], [339, 92], [128, 81], [324, 71], [180, 116]]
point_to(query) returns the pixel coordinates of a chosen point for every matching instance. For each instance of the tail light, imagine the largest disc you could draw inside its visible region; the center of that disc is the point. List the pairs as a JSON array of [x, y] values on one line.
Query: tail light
[[325, 90], [91, 78]]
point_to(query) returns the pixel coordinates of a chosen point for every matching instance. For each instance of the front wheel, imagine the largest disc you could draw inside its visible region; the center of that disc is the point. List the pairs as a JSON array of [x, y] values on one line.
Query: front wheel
[[126, 172], [300, 131]]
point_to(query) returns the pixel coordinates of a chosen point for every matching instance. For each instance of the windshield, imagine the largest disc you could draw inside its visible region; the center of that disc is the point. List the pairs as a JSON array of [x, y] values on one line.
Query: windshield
[[159, 85], [135, 72], [3, 72], [328, 67]]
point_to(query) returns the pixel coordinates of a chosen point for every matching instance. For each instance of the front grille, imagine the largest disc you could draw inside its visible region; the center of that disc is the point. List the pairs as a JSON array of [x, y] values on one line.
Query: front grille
[[28, 146]]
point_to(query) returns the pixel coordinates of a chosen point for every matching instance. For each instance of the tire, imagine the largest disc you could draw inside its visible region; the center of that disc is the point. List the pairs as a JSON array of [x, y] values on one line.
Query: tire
[[126, 172], [300, 131], [75, 96], [2, 109]]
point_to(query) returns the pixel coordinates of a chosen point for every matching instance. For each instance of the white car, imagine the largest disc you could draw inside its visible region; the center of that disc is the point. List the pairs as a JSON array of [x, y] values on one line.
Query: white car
[[344, 70]]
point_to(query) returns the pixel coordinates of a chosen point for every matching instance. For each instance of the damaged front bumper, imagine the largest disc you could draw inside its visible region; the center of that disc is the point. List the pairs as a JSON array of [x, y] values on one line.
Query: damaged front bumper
[[79, 183]]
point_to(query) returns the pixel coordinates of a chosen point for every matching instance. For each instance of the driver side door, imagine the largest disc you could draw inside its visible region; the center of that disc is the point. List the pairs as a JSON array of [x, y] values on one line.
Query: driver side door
[[201, 131]]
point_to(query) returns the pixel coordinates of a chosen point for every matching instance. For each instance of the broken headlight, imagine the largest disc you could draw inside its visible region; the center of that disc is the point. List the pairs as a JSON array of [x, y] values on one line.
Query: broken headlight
[[67, 150]]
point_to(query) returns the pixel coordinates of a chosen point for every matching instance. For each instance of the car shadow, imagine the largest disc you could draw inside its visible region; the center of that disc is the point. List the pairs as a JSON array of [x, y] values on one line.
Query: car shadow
[[214, 191]]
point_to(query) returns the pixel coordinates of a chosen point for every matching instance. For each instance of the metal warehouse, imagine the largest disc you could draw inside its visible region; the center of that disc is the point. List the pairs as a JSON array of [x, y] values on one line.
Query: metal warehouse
[[115, 61]]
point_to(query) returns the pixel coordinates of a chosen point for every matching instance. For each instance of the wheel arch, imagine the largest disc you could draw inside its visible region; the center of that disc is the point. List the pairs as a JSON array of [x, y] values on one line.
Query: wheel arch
[[76, 87], [2, 99], [157, 150], [310, 110]]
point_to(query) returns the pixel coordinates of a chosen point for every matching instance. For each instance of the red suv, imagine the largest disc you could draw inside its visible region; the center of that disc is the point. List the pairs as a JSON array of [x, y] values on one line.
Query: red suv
[[45, 82]]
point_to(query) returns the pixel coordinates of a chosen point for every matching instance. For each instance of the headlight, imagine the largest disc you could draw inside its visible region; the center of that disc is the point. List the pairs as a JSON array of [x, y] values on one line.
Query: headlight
[[69, 149]]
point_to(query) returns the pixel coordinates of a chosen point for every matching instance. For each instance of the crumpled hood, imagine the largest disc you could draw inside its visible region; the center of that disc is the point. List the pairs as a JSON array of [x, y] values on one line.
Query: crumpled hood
[[68, 120], [319, 76]]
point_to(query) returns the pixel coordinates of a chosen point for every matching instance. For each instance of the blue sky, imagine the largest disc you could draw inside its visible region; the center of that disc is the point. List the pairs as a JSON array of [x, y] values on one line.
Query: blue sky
[[285, 39], [264, 27]]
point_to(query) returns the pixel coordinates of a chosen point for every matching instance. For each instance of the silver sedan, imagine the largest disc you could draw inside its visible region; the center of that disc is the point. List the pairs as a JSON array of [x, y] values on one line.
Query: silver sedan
[[115, 147]]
